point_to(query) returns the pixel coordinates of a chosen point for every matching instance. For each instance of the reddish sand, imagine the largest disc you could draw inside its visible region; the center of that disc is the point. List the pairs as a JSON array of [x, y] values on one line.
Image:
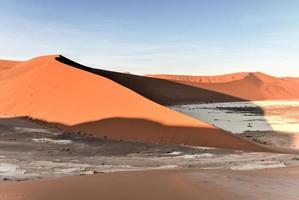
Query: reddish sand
[[247, 86], [46, 89], [201, 79], [274, 184], [6, 64], [147, 185]]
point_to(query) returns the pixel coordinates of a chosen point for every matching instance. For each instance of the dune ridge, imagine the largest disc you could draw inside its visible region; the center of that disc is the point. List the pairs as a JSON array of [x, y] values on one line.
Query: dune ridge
[[165, 92], [177, 89], [46, 89]]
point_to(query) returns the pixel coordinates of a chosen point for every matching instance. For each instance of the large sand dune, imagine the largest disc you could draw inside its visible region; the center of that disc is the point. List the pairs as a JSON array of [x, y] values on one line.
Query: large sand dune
[[47, 89], [247, 86]]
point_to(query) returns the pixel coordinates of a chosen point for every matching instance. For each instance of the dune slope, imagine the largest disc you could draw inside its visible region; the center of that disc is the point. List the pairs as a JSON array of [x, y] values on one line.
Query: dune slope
[[6, 64], [162, 91], [47, 89]]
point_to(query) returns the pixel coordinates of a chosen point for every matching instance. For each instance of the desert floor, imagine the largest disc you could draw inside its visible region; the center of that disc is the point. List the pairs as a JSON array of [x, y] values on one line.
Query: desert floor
[[274, 184], [32, 154]]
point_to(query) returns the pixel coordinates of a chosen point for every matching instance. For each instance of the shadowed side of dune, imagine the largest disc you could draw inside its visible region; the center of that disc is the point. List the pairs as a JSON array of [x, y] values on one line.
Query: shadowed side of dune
[[134, 129], [162, 91]]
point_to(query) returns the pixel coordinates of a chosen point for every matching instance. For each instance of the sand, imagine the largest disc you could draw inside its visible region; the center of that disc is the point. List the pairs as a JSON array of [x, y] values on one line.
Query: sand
[[274, 184], [201, 79], [44, 88], [247, 86], [7, 64]]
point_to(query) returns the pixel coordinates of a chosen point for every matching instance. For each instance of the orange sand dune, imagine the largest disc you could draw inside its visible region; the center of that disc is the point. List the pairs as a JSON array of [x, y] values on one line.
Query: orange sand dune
[[47, 89], [6, 64], [247, 86], [296, 80], [201, 79], [214, 79]]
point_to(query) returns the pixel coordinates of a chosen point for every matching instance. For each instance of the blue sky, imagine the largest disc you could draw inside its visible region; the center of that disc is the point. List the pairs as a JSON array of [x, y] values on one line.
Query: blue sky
[[157, 36]]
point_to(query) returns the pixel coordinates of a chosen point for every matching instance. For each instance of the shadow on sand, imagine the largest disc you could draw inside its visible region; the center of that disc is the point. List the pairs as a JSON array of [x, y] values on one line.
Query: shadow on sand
[[132, 129], [161, 91]]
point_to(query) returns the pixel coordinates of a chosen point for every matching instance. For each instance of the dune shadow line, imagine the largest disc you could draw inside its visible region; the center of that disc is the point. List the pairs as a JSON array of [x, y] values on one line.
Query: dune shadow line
[[161, 91], [135, 129]]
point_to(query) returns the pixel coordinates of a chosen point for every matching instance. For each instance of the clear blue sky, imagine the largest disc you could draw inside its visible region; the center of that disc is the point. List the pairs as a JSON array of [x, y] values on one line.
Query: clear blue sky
[[157, 36]]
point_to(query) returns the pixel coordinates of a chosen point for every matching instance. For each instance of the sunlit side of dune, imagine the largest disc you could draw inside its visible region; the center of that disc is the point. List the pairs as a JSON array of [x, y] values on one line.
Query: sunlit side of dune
[[47, 89]]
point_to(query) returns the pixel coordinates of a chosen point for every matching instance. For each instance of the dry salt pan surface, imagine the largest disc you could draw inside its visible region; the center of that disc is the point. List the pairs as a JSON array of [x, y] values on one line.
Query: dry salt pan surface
[[51, 141], [30, 130], [273, 123], [41, 152], [259, 165], [10, 170], [238, 117]]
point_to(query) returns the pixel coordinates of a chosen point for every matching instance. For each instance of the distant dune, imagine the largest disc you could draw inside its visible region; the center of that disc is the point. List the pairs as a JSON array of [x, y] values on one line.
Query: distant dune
[[201, 79], [48, 89], [246, 86]]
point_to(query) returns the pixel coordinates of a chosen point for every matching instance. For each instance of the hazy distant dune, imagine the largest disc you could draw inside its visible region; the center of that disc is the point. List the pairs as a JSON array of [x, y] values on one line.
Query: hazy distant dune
[[246, 86]]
